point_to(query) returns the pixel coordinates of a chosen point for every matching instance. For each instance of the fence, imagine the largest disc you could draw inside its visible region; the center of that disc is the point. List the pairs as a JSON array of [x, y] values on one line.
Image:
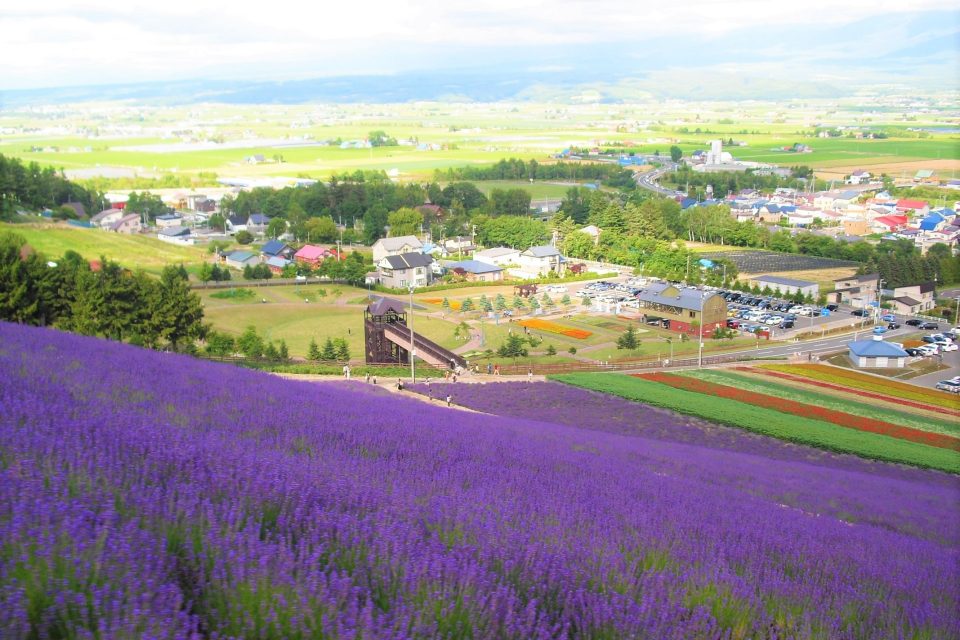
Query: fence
[[272, 282], [620, 365]]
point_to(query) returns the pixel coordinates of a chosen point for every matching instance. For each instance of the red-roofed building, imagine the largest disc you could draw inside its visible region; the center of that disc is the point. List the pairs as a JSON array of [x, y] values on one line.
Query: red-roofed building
[[886, 224], [919, 207], [314, 255]]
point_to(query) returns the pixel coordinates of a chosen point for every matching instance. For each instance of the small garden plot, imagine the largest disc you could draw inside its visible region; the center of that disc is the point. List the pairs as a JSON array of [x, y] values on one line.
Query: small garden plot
[[557, 328], [771, 261]]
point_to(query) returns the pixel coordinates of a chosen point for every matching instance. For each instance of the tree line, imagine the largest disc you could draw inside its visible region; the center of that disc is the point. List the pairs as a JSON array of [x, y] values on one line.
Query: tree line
[[518, 169], [32, 187], [107, 301]]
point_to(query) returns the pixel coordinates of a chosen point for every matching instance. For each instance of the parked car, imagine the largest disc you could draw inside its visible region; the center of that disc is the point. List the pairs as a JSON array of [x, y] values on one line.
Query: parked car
[[948, 347], [913, 351], [860, 313], [949, 385], [786, 324], [914, 322], [929, 349], [832, 307], [928, 326]]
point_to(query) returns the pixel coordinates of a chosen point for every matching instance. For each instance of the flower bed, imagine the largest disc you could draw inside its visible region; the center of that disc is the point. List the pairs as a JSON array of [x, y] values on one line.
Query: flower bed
[[805, 410], [869, 382], [883, 388], [849, 401], [769, 422], [553, 327]]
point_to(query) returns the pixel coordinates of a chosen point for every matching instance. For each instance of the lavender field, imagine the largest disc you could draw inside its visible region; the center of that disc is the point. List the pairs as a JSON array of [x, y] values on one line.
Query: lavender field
[[153, 495]]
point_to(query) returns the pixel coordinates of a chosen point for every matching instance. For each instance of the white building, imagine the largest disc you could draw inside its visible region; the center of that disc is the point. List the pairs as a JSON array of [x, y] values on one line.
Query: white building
[[395, 246], [498, 256]]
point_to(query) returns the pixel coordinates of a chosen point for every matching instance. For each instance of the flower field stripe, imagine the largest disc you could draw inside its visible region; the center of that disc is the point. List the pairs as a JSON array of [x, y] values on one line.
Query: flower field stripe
[[847, 387], [868, 382], [553, 327], [847, 404], [783, 405], [770, 422]]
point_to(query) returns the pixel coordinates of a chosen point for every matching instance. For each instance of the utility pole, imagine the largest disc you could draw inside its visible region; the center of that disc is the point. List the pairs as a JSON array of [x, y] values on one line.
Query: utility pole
[[413, 373], [700, 328]]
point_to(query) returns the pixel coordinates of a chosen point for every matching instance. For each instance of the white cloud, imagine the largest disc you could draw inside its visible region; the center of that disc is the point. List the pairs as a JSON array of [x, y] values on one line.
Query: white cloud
[[59, 42]]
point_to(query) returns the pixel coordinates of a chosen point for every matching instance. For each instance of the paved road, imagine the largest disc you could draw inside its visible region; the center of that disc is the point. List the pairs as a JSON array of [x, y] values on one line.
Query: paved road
[[649, 180]]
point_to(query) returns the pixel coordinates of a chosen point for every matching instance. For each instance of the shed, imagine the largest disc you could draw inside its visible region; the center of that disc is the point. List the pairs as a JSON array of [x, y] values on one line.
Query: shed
[[876, 353]]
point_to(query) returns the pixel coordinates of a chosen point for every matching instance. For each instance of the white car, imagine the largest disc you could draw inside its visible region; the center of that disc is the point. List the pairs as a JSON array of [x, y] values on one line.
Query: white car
[[948, 347], [928, 350]]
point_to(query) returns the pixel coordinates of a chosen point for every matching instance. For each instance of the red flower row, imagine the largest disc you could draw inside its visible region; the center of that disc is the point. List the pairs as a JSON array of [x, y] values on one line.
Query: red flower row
[[804, 410]]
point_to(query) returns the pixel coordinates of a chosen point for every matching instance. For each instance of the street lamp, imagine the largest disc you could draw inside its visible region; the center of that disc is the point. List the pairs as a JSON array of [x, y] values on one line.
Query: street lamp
[[413, 373]]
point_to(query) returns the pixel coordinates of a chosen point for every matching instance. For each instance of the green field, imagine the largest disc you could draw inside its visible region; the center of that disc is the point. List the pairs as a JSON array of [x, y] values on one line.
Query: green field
[[464, 134], [133, 252], [768, 422], [538, 190], [286, 316]]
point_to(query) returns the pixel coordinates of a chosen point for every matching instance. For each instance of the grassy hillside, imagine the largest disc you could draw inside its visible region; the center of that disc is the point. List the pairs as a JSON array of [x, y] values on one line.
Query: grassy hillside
[[134, 252]]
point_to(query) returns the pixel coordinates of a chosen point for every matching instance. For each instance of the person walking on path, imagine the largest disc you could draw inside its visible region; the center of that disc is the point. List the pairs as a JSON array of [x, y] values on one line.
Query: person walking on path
[[448, 399]]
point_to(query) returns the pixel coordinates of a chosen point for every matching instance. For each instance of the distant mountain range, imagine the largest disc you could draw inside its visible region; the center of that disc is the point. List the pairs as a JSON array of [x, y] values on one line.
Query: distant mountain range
[[915, 53]]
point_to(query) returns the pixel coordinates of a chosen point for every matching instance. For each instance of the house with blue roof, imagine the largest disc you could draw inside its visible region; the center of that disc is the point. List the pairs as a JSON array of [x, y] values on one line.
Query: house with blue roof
[[931, 222], [240, 259], [876, 353], [257, 223], [476, 271], [276, 248]]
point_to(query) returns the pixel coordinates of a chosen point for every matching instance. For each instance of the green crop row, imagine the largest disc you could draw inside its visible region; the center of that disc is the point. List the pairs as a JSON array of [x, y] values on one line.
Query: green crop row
[[767, 421], [769, 387]]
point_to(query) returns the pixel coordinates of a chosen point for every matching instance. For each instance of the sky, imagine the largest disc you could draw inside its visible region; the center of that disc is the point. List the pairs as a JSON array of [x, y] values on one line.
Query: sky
[[56, 43]]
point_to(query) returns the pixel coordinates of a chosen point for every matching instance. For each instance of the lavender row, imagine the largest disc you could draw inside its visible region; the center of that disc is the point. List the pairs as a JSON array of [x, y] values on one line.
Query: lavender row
[[264, 508]]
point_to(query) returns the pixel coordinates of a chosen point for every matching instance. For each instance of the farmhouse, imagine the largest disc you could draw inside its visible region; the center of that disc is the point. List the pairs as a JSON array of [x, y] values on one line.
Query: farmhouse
[[240, 259], [168, 220], [912, 299], [682, 310], [498, 256], [106, 218], [312, 255], [788, 286], [476, 271], [857, 291], [128, 224], [276, 248], [875, 353], [236, 223], [175, 235], [257, 223], [919, 207], [395, 246], [405, 270], [277, 264], [539, 261]]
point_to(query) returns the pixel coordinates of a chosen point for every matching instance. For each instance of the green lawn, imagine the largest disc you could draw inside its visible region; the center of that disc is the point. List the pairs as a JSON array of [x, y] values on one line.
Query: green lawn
[[768, 422], [298, 323], [134, 252], [538, 190]]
